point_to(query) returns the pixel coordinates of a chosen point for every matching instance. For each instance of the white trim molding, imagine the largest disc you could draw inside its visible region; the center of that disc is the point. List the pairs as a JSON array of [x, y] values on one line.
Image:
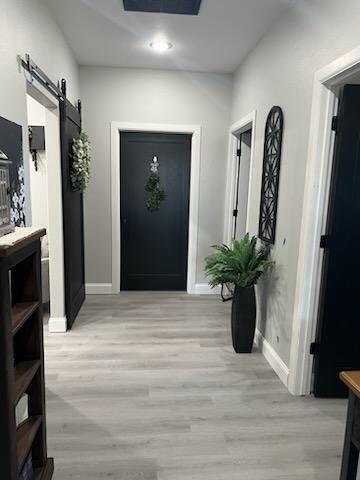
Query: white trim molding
[[272, 357], [318, 173], [98, 289], [246, 123], [205, 289], [195, 131], [57, 325]]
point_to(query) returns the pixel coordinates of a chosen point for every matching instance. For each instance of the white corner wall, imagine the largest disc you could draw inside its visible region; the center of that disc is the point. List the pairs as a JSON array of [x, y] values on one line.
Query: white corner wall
[[153, 96], [28, 27], [38, 178], [280, 71]]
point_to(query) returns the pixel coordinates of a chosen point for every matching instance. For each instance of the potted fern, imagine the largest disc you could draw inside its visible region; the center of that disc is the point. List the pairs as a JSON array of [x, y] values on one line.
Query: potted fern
[[241, 264]]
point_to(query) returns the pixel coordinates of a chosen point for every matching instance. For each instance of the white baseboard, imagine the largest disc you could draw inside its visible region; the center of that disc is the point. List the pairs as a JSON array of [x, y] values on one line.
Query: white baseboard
[[57, 325], [272, 357], [205, 289], [98, 288]]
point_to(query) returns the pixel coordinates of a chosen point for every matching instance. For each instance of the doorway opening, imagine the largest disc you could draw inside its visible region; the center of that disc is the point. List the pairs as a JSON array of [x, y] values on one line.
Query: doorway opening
[[336, 346], [314, 340], [243, 156], [195, 133], [239, 172], [154, 236], [44, 167]]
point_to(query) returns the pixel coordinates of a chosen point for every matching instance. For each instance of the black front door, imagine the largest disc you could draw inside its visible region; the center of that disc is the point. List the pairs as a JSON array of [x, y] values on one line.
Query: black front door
[[338, 333], [73, 216], [154, 244]]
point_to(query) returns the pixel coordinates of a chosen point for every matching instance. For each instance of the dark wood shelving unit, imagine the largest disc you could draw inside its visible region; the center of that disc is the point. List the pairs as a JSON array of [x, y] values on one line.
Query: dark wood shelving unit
[[20, 313], [22, 355], [24, 374]]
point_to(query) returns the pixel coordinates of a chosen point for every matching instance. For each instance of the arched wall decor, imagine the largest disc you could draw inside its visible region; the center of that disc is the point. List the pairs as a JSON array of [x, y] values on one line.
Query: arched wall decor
[[271, 174]]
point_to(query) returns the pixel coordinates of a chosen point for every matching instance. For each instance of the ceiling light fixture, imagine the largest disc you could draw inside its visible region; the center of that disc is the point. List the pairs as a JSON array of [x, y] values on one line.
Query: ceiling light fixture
[[161, 46]]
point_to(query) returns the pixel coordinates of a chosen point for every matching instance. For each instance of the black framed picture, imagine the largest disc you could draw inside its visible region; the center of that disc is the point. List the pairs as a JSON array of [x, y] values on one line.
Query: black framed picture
[[11, 145]]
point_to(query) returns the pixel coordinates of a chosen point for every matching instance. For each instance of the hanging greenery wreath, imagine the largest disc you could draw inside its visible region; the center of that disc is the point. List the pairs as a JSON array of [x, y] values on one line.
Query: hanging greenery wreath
[[157, 193], [80, 169]]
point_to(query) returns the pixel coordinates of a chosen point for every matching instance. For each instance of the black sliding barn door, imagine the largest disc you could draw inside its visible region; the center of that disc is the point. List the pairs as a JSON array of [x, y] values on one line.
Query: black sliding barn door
[[73, 216], [154, 245], [337, 346]]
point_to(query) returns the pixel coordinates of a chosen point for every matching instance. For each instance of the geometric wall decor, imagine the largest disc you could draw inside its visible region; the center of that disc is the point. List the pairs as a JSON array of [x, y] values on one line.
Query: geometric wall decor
[[271, 174]]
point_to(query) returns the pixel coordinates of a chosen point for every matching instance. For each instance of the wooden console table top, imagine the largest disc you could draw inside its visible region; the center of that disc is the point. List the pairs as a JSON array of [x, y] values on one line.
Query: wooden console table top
[[352, 380], [22, 236]]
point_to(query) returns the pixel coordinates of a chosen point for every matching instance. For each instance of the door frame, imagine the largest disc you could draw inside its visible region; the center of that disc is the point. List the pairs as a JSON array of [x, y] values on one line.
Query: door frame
[[57, 319], [195, 131], [327, 82], [243, 125]]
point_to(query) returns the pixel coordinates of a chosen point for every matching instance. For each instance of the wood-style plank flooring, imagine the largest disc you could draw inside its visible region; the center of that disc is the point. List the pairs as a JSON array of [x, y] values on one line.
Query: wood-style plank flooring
[[147, 387]]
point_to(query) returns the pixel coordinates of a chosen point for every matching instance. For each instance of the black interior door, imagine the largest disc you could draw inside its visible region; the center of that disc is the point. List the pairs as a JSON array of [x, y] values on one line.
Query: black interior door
[[338, 333], [154, 244], [73, 216]]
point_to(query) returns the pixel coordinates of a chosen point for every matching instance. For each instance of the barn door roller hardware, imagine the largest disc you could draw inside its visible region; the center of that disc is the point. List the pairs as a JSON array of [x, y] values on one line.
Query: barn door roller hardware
[[41, 77]]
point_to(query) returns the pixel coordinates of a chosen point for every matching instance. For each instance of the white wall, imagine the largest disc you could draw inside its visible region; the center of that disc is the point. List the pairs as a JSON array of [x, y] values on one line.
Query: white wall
[[280, 72], [38, 178], [27, 27], [153, 96]]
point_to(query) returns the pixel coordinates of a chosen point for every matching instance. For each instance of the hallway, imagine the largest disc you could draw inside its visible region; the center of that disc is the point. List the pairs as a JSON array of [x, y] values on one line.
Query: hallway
[[146, 386]]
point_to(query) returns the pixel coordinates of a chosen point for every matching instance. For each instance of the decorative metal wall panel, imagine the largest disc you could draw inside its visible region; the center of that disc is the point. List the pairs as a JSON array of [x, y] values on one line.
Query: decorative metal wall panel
[[271, 174]]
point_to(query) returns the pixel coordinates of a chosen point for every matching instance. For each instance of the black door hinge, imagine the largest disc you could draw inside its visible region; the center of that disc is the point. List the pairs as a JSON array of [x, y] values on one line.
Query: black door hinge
[[324, 241], [238, 152], [334, 123], [235, 213], [314, 348]]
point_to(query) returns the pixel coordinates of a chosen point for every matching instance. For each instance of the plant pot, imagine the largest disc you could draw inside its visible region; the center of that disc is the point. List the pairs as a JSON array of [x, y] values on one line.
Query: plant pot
[[243, 319]]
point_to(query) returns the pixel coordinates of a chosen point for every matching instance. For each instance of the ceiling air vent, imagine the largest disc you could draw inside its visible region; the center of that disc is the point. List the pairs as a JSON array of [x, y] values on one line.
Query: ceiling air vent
[[179, 7]]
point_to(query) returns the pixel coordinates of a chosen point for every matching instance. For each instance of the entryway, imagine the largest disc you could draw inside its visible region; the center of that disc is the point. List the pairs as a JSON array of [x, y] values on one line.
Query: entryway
[[239, 171], [338, 330], [326, 330], [154, 239], [194, 133], [243, 156], [44, 166]]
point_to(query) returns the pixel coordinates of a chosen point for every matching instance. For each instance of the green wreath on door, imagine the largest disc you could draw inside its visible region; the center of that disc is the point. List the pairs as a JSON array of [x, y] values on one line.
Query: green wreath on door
[[157, 193]]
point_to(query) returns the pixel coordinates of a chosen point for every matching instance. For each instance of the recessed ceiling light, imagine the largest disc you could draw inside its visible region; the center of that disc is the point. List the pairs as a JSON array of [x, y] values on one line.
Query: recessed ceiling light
[[161, 46]]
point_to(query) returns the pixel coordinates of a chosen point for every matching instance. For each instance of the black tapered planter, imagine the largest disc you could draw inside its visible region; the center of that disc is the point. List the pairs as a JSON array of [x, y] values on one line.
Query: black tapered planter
[[243, 319]]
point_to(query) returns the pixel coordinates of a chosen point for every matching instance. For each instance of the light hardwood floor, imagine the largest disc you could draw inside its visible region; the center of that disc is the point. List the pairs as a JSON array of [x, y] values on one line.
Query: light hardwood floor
[[147, 387]]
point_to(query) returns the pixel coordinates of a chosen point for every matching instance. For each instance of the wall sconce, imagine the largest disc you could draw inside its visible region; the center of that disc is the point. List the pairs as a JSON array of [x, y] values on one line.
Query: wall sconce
[[36, 142]]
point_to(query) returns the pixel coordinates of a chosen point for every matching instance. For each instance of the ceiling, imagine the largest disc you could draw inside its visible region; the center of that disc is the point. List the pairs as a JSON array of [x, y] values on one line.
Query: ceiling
[[101, 33]]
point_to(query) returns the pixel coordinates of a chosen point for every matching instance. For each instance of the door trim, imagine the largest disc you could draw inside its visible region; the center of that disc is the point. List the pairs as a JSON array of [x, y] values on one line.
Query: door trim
[[116, 129], [315, 205], [246, 123], [57, 320]]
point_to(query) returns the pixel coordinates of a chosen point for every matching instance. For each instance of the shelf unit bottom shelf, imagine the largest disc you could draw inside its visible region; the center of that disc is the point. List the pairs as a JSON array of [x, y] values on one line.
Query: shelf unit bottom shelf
[[46, 472]]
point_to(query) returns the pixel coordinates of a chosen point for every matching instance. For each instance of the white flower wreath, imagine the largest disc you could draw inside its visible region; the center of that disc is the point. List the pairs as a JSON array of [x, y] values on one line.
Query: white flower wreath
[[80, 169]]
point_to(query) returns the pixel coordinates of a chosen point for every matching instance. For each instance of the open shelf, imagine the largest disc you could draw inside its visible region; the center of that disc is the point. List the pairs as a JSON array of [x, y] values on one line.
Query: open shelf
[[45, 473], [21, 312], [24, 374], [25, 435], [22, 356]]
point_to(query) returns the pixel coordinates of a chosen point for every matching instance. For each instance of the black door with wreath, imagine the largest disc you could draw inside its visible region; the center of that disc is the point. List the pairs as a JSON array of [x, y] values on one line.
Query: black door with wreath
[[154, 238], [73, 216]]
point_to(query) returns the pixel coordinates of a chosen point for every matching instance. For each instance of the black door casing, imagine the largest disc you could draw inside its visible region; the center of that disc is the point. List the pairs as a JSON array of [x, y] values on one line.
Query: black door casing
[[73, 216], [338, 330], [154, 245]]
